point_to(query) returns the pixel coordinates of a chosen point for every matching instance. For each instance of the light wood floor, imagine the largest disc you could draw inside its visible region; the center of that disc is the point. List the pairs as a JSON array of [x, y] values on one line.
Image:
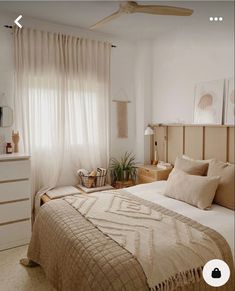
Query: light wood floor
[[15, 277]]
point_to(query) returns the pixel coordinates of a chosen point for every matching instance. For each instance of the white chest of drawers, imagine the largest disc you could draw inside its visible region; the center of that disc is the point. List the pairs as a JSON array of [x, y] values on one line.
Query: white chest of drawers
[[15, 204]]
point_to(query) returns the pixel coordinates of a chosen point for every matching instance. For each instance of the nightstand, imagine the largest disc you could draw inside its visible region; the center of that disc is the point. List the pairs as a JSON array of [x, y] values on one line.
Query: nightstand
[[151, 173]]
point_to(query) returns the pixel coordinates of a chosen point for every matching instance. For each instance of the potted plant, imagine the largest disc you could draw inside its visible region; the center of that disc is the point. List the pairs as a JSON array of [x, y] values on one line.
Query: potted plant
[[123, 170]]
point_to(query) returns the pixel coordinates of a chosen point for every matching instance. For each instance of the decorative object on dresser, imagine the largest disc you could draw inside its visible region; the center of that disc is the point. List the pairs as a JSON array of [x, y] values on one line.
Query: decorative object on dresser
[[15, 140], [9, 149], [123, 171], [15, 204], [151, 173]]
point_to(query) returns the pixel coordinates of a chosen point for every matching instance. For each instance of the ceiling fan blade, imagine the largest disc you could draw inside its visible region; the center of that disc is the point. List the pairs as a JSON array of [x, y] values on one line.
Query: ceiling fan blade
[[106, 19], [162, 10]]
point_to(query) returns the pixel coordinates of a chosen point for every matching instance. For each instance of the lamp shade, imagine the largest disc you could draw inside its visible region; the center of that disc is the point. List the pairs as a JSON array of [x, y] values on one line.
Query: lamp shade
[[148, 131]]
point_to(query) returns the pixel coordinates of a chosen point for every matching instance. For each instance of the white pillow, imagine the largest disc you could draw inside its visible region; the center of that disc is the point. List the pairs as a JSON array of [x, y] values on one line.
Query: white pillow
[[195, 190]]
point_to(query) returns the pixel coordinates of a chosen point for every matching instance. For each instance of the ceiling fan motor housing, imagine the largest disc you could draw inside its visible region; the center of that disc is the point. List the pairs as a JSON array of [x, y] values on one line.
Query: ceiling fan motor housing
[[128, 7]]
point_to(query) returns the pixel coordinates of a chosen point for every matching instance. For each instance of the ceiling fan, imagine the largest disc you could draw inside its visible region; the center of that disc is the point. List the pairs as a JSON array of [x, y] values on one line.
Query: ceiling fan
[[133, 7]]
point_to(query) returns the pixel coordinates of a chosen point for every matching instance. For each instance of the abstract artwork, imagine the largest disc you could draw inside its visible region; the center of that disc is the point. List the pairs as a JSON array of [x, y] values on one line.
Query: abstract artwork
[[208, 106], [229, 102]]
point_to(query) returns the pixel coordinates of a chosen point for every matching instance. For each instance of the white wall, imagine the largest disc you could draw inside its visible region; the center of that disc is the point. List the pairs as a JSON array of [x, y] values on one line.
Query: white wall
[[182, 59], [143, 93], [122, 88], [158, 77], [122, 73]]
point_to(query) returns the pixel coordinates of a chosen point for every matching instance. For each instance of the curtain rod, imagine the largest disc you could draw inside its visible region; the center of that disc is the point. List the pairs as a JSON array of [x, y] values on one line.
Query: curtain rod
[[10, 26]]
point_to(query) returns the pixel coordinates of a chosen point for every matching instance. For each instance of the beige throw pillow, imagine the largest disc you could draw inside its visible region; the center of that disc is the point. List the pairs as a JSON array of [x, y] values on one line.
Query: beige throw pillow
[[192, 167], [200, 161], [195, 190], [225, 193]]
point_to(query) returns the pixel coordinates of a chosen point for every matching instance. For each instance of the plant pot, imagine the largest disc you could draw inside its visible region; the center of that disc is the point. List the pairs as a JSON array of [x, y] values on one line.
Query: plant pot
[[126, 175], [123, 184]]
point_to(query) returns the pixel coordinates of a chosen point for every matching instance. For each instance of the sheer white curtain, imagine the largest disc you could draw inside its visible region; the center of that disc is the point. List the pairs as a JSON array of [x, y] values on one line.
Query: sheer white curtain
[[61, 103]]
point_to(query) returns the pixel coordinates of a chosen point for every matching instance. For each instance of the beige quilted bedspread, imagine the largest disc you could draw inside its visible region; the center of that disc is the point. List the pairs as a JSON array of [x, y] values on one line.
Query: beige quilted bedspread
[[115, 241]]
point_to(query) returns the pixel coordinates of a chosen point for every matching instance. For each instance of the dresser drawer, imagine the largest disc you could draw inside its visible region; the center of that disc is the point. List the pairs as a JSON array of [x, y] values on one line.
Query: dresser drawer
[[15, 211], [15, 234], [14, 190], [14, 170]]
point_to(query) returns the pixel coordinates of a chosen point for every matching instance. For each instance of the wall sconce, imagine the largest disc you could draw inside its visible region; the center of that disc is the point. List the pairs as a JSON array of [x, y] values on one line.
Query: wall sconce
[[149, 131]]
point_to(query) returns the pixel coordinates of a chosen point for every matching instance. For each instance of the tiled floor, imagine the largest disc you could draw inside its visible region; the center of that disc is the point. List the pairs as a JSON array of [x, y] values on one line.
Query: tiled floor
[[15, 277]]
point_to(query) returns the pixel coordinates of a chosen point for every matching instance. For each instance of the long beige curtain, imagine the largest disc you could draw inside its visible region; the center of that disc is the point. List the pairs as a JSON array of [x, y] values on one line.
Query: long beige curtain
[[61, 104]]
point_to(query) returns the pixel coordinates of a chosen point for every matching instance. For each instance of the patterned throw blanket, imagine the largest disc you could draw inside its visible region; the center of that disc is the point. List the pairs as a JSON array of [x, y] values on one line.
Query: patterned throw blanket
[[171, 249], [114, 241]]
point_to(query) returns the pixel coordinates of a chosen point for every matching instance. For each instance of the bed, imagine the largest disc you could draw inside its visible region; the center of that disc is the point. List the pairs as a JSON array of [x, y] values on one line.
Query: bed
[[98, 241], [81, 249], [218, 218]]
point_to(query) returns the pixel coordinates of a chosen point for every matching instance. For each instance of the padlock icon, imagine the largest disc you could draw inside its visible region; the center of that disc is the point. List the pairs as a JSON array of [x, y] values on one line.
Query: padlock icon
[[216, 273]]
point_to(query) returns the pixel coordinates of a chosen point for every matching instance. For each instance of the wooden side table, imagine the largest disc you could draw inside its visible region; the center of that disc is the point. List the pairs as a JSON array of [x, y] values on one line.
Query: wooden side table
[[151, 173]]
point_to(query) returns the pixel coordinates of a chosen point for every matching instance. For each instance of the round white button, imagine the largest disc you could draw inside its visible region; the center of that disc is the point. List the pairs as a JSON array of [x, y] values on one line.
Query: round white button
[[216, 273]]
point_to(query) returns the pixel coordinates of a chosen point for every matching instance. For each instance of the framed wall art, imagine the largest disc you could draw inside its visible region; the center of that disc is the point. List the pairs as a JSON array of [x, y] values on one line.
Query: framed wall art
[[208, 103], [229, 102]]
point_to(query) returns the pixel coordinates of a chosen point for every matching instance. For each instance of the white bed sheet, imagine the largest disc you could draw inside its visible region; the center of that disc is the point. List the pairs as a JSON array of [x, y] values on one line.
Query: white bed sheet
[[218, 218]]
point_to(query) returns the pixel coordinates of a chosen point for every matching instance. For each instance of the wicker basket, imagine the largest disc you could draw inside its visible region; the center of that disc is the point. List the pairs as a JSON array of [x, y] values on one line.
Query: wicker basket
[[92, 182]]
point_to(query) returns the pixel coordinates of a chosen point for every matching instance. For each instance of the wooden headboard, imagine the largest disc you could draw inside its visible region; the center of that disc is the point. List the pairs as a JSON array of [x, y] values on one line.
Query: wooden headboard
[[196, 141]]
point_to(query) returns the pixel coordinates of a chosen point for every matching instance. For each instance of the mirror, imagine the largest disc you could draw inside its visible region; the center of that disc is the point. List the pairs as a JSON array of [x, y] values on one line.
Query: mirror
[[6, 116]]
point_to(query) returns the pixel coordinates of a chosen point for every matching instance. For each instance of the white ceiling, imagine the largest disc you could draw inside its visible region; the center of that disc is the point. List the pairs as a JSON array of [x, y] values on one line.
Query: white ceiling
[[133, 26]]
